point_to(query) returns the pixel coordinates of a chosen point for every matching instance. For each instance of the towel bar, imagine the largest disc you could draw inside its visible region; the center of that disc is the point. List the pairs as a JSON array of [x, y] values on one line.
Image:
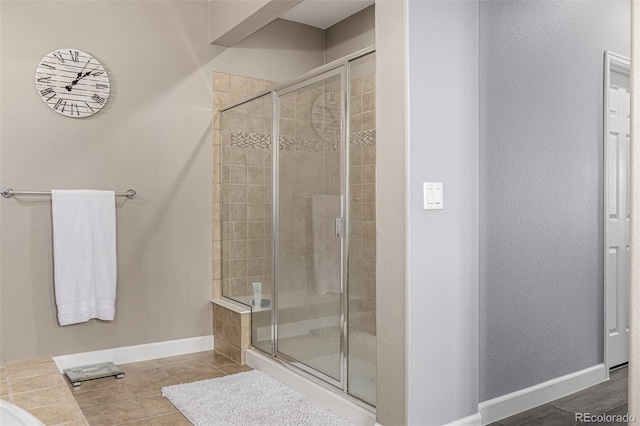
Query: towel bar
[[8, 192]]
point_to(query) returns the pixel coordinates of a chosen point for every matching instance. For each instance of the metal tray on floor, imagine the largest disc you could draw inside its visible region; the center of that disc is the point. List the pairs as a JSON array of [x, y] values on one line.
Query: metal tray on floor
[[77, 375]]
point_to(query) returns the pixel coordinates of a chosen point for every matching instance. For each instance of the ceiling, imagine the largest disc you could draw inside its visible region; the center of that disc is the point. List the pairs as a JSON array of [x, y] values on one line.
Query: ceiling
[[324, 13]]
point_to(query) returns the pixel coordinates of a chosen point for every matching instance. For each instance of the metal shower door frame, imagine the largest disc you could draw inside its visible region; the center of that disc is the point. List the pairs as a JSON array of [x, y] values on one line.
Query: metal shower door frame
[[301, 81], [341, 70]]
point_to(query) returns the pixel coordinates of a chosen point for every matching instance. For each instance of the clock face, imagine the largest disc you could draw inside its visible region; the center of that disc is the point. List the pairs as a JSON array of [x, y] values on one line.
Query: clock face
[[325, 116], [72, 83]]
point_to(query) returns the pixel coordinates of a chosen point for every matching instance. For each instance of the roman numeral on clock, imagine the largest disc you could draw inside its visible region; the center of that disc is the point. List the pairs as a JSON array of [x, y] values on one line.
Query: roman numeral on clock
[[98, 99], [57, 105], [41, 79], [74, 55], [89, 106], [46, 91], [44, 64], [59, 57], [95, 74], [102, 86]]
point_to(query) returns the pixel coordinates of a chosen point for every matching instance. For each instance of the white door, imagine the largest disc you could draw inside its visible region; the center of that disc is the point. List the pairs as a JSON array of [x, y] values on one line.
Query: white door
[[617, 143]]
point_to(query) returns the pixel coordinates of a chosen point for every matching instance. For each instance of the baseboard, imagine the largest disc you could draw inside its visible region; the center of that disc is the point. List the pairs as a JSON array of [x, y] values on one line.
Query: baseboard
[[331, 400], [525, 399], [474, 420], [145, 352]]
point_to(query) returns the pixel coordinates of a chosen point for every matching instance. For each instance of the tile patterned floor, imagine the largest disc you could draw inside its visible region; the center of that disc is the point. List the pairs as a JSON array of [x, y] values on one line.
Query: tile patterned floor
[[36, 385], [136, 399], [609, 397]]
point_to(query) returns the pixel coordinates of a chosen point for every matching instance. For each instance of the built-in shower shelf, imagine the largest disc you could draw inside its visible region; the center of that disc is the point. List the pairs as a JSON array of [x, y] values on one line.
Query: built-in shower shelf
[[234, 306], [247, 300], [298, 301]]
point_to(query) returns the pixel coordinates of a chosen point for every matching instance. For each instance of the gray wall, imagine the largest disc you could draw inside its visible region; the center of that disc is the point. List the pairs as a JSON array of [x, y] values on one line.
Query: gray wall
[[391, 210], [443, 244], [350, 35], [279, 51], [154, 135], [541, 233]]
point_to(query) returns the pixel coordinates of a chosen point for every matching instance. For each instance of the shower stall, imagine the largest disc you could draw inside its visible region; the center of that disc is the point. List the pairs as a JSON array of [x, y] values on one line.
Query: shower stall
[[298, 221]]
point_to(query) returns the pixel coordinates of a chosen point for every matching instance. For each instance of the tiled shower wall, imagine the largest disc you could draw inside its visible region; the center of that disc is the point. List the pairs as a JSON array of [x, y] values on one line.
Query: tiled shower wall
[[247, 188], [309, 164], [362, 242], [242, 177]]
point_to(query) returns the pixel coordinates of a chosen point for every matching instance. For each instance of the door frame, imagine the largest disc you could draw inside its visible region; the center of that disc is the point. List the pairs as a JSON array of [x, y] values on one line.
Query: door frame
[[612, 63], [342, 64], [338, 70]]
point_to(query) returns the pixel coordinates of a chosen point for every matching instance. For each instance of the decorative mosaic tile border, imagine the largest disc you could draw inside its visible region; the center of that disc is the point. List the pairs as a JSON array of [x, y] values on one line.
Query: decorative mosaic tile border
[[250, 140], [291, 143], [364, 138]]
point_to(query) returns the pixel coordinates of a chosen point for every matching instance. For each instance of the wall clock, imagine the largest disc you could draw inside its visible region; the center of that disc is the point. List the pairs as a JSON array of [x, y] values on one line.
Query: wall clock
[[72, 83], [325, 116]]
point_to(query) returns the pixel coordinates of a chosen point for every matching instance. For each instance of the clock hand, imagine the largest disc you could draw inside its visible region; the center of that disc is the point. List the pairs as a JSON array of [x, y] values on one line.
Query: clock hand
[[80, 77], [85, 66], [74, 82], [330, 111]]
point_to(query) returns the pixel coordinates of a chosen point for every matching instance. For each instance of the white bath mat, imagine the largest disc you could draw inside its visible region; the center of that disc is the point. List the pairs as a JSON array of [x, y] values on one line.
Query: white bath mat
[[251, 398]]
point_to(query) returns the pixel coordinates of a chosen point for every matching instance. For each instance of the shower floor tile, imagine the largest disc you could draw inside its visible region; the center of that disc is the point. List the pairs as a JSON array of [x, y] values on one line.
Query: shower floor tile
[[136, 399]]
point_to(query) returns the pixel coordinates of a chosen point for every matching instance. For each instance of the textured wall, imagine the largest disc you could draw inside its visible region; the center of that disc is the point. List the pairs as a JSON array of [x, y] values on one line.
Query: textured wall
[[443, 147], [154, 135], [541, 232]]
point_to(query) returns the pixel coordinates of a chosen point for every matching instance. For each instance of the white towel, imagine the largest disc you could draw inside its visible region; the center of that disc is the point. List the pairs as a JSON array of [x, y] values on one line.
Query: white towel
[[326, 247], [84, 252]]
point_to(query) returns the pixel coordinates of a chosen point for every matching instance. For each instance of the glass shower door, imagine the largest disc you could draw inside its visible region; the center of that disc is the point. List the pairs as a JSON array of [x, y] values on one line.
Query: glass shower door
[[361, 362], [309, 246]]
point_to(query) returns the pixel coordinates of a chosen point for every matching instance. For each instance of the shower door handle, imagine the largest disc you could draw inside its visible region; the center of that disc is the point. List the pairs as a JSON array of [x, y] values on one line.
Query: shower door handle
[[338, 227]]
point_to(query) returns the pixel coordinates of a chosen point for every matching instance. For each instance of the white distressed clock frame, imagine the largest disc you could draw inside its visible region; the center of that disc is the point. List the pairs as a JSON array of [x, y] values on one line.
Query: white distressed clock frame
[[72, 83]]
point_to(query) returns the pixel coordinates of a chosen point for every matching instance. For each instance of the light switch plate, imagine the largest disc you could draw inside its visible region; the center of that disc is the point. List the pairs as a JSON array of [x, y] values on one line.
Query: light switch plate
[[433, 196]]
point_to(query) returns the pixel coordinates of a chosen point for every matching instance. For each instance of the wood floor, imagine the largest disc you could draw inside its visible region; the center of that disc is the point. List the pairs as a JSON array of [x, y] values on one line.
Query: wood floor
[[609, 397]]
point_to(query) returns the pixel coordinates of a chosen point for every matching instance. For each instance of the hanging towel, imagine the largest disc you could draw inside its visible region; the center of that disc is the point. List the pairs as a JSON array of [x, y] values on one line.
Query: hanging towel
[[326, 246], [84, 252]]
